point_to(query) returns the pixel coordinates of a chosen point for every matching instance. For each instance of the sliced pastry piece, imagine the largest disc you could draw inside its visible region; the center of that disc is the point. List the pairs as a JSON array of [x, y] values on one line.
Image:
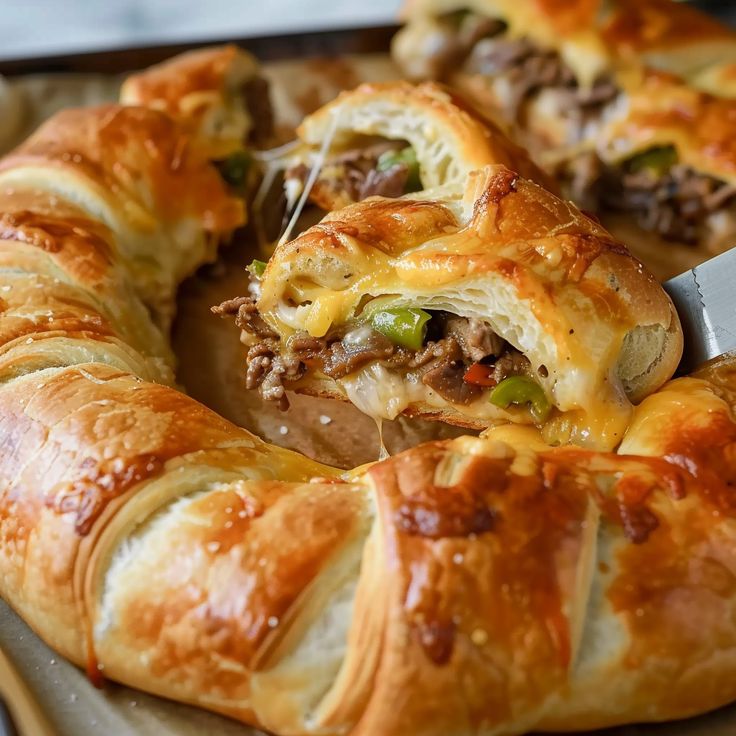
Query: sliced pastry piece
[[388, 139], [578, 45], [667, 160], [217, 93], [131, 169], [220, 98], [394, 138], [590, 87], [495, 302]]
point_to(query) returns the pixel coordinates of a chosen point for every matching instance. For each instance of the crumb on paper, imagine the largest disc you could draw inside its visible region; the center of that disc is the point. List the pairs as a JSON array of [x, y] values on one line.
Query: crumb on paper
[[324, 419]]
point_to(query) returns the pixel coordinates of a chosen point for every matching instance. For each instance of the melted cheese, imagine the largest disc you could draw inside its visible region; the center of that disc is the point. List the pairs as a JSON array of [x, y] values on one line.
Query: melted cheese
[[325, 310], [319, 162], [274, 161], [264, 244]]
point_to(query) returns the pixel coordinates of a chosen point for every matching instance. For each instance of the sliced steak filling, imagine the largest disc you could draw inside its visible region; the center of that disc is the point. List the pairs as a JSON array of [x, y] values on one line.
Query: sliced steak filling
[[677, 203], [454, 344], [480, 45], [353, 175]]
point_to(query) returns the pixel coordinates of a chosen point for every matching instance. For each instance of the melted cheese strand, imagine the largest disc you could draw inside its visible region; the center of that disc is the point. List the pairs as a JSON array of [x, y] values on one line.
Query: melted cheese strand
[[274, 154], [312, 178], [264, 245]]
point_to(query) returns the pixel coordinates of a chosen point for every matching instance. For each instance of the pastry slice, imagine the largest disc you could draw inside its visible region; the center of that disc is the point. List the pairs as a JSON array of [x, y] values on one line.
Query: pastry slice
[[491, 302], [607, 96], [394, 138], [387, 139], [220, 98], [217, 93]]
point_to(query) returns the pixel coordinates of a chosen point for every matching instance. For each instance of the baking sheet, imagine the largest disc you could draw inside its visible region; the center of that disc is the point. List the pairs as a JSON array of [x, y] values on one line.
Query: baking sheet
[[210, 368]]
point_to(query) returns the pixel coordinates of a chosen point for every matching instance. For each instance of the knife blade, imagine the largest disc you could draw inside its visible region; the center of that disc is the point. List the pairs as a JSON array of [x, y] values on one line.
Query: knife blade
[[705, 299], [7, 727]]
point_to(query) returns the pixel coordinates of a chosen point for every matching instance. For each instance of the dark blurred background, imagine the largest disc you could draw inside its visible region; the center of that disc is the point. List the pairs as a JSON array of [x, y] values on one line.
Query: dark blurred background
[[725, 9]]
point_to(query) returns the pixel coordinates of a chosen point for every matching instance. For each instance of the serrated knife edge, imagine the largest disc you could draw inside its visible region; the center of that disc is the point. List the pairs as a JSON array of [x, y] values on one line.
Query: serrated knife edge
[[705, 299]]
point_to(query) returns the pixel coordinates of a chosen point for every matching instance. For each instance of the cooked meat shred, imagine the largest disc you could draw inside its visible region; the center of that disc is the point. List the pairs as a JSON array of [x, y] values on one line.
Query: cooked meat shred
[[451, 39], [267, 369], [675, 204], [511, 363], [354, 173], [247, 316], [440, 364], [258, 103], [479, 45], [476, 337], [336, 357], [527, 68], [444, 373], [389, 183]]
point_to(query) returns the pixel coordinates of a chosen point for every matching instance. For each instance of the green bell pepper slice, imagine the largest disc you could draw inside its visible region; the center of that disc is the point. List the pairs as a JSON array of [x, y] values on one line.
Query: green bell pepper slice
[[404, 326], [234, 169], [257, 268], [406, 156], [522, 390], [657, 160]]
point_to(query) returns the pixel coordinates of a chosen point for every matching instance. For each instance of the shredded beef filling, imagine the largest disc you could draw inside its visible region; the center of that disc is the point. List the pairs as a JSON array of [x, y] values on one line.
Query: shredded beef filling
[[479, 45], [675, 204], [453, 344], [355, 173]]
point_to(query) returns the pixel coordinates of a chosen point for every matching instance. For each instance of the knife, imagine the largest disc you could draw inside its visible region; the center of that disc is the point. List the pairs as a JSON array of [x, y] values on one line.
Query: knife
[[7, 727], [705, 299]]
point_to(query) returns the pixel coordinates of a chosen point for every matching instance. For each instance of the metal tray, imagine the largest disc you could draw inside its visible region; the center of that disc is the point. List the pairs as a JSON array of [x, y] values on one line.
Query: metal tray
[[336, 42]]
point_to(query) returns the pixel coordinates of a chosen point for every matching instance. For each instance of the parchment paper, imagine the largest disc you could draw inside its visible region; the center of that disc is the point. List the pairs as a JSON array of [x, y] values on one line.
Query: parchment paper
[[210, 369]]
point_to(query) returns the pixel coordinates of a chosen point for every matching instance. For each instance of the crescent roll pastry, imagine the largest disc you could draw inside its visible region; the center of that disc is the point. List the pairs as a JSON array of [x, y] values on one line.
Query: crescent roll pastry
[[669, 161], [489, 585], [392, 138], [216, 94], [132, 170], [591, 38], [607, 96], [493, 302]]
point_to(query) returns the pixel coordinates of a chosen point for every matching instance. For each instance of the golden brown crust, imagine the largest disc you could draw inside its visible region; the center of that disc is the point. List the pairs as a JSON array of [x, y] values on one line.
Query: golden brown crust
[[471, 585], [553, 282], [109, 144], [67, 280], [134, 170], [90, 448], [204, 91], [662, 111], [564, 600]]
